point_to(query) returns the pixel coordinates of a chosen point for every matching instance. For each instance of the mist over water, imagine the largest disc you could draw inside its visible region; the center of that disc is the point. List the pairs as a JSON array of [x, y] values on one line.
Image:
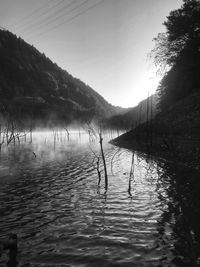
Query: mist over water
[[49, 196]]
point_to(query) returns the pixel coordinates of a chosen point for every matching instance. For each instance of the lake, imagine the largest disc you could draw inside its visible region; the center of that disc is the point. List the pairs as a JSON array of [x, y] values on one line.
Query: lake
[[49, 196]]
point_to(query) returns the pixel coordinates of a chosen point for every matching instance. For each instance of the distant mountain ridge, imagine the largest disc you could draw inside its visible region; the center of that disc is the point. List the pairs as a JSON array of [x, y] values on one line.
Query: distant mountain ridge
[[33, 87]]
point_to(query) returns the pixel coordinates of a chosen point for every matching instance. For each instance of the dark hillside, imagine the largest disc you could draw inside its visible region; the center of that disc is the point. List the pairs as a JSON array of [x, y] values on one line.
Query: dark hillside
[[33, 87], [173, 134], [179, 50], [144, 111]]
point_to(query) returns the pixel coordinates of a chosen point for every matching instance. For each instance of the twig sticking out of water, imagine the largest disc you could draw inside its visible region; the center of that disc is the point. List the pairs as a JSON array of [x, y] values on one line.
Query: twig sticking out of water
[[131, 175], [54, 140], [67, 133], [92, 136], [10, 132], [104, 161], [98, 170], [91, 132], [112, 160], [2, 136], [97, 163]]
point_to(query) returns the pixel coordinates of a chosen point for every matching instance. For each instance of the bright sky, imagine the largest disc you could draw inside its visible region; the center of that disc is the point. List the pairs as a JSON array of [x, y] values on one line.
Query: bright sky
[[102, 42]]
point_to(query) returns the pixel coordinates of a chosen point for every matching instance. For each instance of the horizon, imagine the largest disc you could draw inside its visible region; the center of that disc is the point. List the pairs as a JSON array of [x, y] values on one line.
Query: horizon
[[105, 45]]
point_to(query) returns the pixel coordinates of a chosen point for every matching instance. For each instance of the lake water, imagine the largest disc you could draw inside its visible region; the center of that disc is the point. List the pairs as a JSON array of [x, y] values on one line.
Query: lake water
[[49, 196]]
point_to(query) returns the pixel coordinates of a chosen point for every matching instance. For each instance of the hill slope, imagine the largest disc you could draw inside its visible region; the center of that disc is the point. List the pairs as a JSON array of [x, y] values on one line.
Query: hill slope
[[145, 110], [33, 87], [173, 134]]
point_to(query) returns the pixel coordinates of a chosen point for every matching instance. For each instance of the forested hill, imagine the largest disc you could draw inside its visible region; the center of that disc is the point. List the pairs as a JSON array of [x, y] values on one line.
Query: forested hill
[[175, 131], [144, 111], [178, 49], [33, 87]]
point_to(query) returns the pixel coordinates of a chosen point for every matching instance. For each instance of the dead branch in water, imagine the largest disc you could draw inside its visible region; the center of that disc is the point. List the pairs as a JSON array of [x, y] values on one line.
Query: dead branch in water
[[104, 161], [112, 160], [98, 171], [131, 175], [67, 133], [92, 136], [97, 164]]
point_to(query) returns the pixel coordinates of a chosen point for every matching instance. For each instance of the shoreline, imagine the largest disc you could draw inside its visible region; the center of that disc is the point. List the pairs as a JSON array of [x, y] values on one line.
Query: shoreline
[[188, 157]]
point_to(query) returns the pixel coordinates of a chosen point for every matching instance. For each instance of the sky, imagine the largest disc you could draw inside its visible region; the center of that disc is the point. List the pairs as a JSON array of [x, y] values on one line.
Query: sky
[[102, 42]]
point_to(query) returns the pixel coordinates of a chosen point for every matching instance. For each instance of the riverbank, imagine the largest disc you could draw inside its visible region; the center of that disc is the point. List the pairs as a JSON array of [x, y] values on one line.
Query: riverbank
[[173, 134]]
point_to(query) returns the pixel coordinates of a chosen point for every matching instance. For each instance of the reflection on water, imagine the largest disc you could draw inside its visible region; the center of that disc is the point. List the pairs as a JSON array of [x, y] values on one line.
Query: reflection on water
[[49, 196]]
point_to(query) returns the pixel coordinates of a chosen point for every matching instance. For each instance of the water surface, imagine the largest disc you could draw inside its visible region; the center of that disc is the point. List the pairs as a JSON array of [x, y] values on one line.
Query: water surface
[[49, 196]]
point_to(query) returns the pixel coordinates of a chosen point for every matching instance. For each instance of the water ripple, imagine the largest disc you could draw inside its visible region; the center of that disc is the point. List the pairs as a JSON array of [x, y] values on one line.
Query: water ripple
[[63, 218]]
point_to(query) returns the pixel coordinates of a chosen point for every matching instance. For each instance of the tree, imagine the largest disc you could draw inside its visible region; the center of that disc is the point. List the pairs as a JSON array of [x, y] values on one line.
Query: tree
[[177, 53]]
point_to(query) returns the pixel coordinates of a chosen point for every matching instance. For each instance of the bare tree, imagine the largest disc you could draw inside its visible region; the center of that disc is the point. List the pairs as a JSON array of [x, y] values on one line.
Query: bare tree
[[94, 135], [131, 175], [103, 158]]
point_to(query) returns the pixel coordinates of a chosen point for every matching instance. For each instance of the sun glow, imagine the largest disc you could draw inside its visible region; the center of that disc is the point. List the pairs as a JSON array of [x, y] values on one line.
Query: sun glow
[[146, 86], [149, 83]]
